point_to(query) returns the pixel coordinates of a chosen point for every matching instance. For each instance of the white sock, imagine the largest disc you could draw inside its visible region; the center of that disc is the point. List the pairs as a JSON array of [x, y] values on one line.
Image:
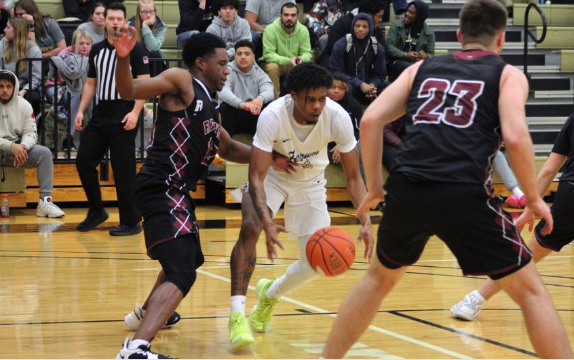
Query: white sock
[[135, 343], [517, 192], [238, 303], [477, 296], [298, 274]]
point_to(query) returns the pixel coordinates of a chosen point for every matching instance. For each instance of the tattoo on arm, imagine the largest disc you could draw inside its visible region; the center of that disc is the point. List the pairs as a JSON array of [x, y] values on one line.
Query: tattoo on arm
[[258, 199]]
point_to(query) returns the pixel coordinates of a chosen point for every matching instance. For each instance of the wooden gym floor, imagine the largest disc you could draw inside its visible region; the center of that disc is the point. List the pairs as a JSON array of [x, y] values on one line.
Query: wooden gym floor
[[63, 294]]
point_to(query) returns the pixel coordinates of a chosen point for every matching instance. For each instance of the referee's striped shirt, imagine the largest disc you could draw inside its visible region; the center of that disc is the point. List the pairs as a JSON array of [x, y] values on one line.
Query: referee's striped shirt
[[103, 68]]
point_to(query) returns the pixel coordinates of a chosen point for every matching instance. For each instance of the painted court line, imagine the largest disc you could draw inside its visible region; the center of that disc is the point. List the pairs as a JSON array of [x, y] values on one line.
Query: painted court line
[[374, 328]]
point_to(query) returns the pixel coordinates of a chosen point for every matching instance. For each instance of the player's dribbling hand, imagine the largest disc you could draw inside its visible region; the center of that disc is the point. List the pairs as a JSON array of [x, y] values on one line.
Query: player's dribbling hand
[[527, 217], [370, 202], [539, 208], [366, 235], [272, 230], [125, 41], [282, 163]]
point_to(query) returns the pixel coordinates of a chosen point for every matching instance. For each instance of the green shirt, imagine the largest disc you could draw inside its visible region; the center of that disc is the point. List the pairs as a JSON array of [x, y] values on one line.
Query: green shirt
[[280, 47]]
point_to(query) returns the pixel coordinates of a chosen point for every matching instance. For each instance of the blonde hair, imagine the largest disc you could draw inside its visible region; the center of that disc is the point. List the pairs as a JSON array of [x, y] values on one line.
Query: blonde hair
[[138, 21], [78, 34], [19, 45]]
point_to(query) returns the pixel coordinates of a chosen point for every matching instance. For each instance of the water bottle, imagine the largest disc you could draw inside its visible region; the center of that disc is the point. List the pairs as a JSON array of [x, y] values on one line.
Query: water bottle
[[5, 210]]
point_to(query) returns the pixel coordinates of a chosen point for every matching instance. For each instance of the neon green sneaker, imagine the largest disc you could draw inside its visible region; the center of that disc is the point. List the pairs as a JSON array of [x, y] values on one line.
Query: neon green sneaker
[[262, 312], [239, 333]]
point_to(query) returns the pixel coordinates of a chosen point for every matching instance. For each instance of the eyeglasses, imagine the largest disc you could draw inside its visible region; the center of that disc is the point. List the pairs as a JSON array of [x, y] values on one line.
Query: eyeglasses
[[147, 12]]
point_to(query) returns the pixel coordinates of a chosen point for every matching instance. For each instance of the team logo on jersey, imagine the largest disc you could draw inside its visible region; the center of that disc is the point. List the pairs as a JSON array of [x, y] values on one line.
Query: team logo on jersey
[[198, 106]]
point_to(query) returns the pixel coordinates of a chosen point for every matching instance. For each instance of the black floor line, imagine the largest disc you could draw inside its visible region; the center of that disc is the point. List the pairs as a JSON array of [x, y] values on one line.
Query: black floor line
[[458, 332]]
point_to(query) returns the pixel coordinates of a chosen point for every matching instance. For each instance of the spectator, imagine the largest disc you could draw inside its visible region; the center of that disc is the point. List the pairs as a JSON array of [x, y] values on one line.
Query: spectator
[[246, 92], [399, 6], [16, 46], [151, 33], [259, 14], [285, 45], [344, 26], [411, 39], [8, 7], [81, 9], [113, 127], [229, 26], [97, 25], [72, 71], [18, 139], [194, 16], [339, 93], [43, 29], [362, 59], [392, 134], [320, 18]]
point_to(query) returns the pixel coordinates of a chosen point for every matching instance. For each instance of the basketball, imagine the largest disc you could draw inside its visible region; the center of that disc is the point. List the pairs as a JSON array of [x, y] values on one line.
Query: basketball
[[330, 251]]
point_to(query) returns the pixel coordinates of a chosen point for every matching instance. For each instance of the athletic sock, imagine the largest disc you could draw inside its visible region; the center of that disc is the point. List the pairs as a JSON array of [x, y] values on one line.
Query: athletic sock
[[238, 303], [477, 296], [135, 343], [517, 192]]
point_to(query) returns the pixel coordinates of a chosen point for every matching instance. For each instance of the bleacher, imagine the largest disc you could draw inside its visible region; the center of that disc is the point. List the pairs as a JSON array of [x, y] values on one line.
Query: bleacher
[[550, 68]]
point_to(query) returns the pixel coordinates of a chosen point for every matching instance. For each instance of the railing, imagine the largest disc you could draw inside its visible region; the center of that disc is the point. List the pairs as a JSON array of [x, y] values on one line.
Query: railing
[[530, 33], [155, 67]]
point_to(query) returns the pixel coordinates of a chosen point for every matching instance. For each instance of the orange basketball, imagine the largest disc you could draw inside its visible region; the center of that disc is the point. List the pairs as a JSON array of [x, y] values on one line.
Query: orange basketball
[[330, 251]]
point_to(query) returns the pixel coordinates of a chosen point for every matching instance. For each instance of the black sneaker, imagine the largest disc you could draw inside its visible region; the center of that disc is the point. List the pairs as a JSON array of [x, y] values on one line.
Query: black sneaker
[[126, 230], [92, 221], [68, 143], [141, 352]]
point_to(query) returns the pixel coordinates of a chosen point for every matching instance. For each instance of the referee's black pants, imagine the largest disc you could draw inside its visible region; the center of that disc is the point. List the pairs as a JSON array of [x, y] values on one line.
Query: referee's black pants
[[105, 130]]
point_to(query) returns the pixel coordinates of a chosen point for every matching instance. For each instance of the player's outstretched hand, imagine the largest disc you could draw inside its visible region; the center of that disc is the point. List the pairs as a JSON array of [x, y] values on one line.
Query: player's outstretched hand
[[125, 41], [282, 163], [527, 217], [366, 235], [539, 208], [370, 202], [272, 230]]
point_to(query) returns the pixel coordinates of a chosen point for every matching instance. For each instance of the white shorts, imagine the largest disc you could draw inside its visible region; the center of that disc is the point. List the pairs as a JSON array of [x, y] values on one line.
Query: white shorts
[[305, 204]]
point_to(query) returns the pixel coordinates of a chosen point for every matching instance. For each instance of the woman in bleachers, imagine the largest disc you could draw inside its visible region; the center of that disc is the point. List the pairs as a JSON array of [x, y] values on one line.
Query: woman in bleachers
[[81, 46], [97, 24], [16, 46], [151, 32], [44, 30]]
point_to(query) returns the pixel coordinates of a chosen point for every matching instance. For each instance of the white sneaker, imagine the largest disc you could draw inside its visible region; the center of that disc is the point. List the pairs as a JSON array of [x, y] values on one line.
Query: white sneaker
[[469, 307], [141, 352], [237, 194], [134, 319], [46, 208], [148, 118]]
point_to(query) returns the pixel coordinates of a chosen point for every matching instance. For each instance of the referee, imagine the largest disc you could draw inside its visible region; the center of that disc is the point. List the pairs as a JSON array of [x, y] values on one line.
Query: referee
[[113, 126]]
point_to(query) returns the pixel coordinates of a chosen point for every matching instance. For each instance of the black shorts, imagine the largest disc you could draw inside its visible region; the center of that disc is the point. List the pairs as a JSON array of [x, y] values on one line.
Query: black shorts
[[472, 224], [563, 215], [179, 256], [168, 210]]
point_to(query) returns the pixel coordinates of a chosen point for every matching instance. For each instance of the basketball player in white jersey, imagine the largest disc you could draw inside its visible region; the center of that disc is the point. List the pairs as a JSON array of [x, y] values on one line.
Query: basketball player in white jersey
[[299, 126]]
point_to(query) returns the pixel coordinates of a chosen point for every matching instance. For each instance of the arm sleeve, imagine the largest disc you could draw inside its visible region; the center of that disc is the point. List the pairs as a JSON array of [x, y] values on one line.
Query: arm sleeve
[[29, 134], [228, 96], [389, 135], [562, 144], [392, 44], [139, 65], [270, 48], [379, 70], [54, 30], [190, 14], [268, 131], [153, 41], [305, 45], [343, 133], [253, 6], [266, 88]]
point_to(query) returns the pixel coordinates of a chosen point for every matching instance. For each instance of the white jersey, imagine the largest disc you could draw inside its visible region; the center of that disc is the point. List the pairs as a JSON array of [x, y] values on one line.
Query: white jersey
[[276, 131]]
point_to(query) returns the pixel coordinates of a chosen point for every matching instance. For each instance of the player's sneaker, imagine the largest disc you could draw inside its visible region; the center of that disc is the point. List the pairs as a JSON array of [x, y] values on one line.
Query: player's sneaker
[[469, 307], [46, 208], [237, 194], [141, 352], [134, 319], [262, 313], [239, 333]]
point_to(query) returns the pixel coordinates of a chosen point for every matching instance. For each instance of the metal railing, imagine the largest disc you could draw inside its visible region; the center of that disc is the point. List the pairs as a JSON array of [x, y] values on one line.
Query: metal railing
[[531, 34]]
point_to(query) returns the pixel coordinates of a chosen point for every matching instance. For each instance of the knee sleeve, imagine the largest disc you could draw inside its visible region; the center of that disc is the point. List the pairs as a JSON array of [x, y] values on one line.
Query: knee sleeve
[[183, 279]]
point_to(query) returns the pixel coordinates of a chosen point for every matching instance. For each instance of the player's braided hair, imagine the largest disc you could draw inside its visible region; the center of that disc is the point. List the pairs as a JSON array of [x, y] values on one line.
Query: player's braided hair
[[200, 45], [308, 76]]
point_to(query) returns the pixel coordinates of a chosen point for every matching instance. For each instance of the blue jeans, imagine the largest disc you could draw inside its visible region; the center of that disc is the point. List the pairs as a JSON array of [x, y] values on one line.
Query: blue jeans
[[257, 40], [182, 38]]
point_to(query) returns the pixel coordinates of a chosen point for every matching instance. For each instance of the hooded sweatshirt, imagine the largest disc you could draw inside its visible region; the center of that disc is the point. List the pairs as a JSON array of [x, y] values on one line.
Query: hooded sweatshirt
[[280, 47], [17, 122], [238, 30], [416, 37], [153, 39], [241, 86], [32, 51], [360, 64]]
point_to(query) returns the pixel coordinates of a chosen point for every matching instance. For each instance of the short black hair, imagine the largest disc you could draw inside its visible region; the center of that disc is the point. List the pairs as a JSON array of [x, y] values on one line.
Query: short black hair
[[340, 77], [371, 6], [224, 3], [289, 5], [116, 6], [200, 45], [245, 43], [8, 76], [308, 76]]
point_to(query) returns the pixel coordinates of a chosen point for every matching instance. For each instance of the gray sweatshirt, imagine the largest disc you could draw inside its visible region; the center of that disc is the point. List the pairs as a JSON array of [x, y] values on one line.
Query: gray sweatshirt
[[241, 86], [33, 51], [231, 34], [17, 123]]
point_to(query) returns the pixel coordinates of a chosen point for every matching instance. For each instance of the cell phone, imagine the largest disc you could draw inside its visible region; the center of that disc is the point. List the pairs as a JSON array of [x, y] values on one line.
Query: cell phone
[[297, 61]]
